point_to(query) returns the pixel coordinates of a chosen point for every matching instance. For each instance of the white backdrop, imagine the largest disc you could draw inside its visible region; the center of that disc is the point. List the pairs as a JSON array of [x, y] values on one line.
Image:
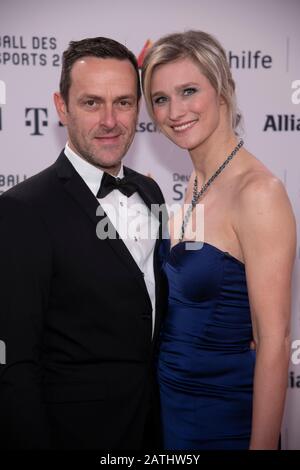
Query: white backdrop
[[262, 38]]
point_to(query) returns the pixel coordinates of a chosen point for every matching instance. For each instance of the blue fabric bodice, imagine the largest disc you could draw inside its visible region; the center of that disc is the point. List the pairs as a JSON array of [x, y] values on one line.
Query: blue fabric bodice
[[205, 364]]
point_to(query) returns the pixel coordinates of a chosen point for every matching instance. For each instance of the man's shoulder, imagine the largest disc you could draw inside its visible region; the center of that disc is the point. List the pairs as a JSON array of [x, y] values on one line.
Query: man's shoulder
[[34, 188]]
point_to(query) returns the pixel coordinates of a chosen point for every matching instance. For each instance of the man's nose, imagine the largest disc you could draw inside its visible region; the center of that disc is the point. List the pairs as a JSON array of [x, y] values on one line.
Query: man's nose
[[108, 116]]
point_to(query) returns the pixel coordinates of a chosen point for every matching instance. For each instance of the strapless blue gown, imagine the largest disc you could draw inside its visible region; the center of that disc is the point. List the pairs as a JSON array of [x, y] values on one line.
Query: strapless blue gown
[[205, 364]]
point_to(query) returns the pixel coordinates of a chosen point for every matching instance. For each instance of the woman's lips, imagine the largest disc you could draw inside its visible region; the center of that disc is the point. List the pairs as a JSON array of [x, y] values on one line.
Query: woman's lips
[[184, 126]]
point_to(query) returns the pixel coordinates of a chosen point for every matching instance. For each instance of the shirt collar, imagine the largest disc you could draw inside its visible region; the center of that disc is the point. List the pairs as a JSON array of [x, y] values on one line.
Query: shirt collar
[[91, 175]]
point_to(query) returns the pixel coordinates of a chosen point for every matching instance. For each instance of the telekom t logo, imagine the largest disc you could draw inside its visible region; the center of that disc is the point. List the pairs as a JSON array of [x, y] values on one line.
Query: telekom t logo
[[37, 120]]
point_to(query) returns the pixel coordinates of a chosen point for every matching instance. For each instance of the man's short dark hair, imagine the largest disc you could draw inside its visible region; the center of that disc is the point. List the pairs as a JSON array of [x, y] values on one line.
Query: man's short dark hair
[[103, 48]]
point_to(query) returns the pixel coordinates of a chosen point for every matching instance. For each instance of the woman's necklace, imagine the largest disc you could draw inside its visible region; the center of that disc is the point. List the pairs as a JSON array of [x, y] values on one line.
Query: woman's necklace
[[198, 194]]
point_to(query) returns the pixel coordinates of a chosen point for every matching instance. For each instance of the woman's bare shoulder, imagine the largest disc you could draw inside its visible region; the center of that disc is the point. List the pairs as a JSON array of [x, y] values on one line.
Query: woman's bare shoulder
[[261, 202], [257, 182]]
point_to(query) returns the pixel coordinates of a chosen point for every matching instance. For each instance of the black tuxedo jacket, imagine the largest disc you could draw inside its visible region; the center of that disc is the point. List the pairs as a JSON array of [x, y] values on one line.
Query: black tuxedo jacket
[[76, 319]]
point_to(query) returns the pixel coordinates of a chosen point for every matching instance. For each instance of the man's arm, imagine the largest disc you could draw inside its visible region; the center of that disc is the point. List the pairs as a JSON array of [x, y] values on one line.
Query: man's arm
[[25, 255]]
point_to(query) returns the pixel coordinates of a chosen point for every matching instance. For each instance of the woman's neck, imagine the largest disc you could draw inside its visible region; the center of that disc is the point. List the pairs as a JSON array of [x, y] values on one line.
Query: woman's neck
[[208, 157]]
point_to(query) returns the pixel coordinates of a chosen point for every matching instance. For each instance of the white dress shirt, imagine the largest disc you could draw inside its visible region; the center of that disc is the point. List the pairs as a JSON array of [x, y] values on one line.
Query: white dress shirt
[[130, 216]]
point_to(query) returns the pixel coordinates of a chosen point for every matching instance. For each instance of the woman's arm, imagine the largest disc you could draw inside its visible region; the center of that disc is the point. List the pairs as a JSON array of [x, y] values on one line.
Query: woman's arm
[[266, 230]]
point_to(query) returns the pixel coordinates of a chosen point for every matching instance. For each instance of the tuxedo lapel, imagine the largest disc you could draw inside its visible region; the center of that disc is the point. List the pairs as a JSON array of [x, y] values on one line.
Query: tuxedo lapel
[[153, 198], [79, 191], [76, 187]]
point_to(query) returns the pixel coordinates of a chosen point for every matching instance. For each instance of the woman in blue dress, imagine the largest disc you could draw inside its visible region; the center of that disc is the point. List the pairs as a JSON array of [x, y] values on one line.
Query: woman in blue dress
[[230, 279]]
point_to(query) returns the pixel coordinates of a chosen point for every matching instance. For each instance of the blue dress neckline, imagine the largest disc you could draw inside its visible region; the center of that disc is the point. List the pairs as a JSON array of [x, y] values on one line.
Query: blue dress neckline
[[209, 245], [205, 365]]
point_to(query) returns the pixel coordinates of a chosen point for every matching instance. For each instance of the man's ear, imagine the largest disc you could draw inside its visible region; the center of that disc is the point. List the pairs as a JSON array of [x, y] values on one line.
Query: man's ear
[[61, 107]]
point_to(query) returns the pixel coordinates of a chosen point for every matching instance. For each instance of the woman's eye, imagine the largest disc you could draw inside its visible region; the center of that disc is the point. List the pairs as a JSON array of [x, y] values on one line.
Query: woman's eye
[[160, 100], [189, 91]]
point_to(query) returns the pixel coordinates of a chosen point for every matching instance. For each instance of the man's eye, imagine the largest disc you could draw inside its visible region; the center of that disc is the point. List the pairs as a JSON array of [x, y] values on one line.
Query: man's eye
[[125, 103], [189, 91], [160, 100], [90, 103]]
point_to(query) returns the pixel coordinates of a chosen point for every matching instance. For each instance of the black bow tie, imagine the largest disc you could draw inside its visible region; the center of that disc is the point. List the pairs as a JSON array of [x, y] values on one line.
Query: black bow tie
[[126, 185]]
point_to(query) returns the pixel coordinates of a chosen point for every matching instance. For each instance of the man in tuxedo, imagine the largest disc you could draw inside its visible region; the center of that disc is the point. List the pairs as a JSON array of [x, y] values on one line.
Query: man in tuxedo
[[80, 310]]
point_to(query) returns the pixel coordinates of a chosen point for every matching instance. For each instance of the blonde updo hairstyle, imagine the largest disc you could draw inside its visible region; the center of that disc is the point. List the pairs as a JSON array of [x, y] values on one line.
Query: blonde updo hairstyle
[[206, 52]]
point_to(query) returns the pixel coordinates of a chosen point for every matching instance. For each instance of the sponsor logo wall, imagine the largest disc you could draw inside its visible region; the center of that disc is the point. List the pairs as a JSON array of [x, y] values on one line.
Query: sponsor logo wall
[[262, 40]]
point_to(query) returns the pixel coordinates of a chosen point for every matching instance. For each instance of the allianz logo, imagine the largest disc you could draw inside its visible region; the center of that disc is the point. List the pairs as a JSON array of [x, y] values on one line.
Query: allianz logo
[[281, 122]]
